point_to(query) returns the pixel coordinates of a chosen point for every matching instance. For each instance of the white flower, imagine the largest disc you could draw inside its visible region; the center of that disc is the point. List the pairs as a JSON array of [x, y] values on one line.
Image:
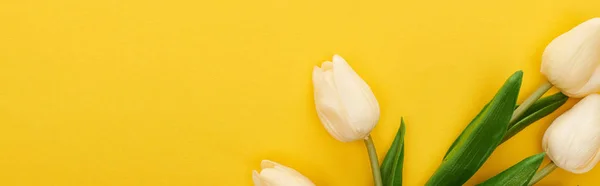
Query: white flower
[[275, 174], [571, 62], [573, 139], [345, 104]]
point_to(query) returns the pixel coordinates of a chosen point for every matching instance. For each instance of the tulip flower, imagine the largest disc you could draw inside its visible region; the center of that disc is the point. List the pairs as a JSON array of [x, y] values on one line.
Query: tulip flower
[[573, 140], [345, 104], [571, 62], [275, 174]]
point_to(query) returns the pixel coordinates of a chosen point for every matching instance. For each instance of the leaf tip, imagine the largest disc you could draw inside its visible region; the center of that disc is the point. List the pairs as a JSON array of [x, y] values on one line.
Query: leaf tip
[[517, 75]]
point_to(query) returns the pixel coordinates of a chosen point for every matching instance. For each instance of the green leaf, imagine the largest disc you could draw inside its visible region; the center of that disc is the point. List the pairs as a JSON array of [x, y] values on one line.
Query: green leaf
[[519, 174], [480, 138], [391, 168], [456, 140], [538, 110]]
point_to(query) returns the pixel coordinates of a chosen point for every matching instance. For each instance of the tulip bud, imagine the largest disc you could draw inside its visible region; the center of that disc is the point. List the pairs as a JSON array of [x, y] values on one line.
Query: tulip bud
[[275, 174], [573, 139], [571, 62], [345, 104]]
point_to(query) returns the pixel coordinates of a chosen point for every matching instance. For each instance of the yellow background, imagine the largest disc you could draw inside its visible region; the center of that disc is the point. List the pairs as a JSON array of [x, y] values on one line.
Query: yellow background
[[184, 92]]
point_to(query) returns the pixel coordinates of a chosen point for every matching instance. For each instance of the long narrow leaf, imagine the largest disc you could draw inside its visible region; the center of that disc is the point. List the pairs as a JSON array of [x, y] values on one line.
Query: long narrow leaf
[[519, 174], [538, 110], [480, 138], [391, 168]]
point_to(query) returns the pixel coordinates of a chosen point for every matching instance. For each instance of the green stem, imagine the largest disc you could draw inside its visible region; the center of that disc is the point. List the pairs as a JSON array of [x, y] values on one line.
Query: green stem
[[543, 173], [374, 161], [518, 113], [530, 100]]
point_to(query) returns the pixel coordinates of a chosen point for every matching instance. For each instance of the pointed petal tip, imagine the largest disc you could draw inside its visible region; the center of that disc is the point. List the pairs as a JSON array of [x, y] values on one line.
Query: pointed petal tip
[[337, 58], [327, 65], [256, 178], [268, 164], [316, 70]]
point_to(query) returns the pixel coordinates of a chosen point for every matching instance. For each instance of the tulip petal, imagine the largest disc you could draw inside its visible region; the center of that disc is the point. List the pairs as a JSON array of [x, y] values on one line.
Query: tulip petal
[[573, 139], [592, 86], [570, 60], [327, 65], [268, 164], [271, 164], [345, 104], [329, 109], [362, 109], [275, 177], [256, 179], [275, 174]]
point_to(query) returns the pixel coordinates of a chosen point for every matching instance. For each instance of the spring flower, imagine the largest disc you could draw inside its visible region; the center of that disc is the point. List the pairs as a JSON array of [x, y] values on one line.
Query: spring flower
[[573, 139], [345, 103], [275, 174], [571, 62]]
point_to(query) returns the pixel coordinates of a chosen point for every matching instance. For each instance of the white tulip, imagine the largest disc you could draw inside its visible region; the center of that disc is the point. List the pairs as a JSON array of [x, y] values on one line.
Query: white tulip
[[573, 139], [345, 103], [571, 62], [275, 174]]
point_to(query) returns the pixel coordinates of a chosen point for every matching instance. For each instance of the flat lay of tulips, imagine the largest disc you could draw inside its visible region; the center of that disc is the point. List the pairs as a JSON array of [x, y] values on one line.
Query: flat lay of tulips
[[348, 110]]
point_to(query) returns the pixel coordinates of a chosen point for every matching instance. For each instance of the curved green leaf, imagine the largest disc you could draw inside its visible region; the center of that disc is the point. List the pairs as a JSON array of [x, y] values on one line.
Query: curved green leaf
[[480, 138], [456, 140], [519, 174], [538, 110], [391, 168]]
